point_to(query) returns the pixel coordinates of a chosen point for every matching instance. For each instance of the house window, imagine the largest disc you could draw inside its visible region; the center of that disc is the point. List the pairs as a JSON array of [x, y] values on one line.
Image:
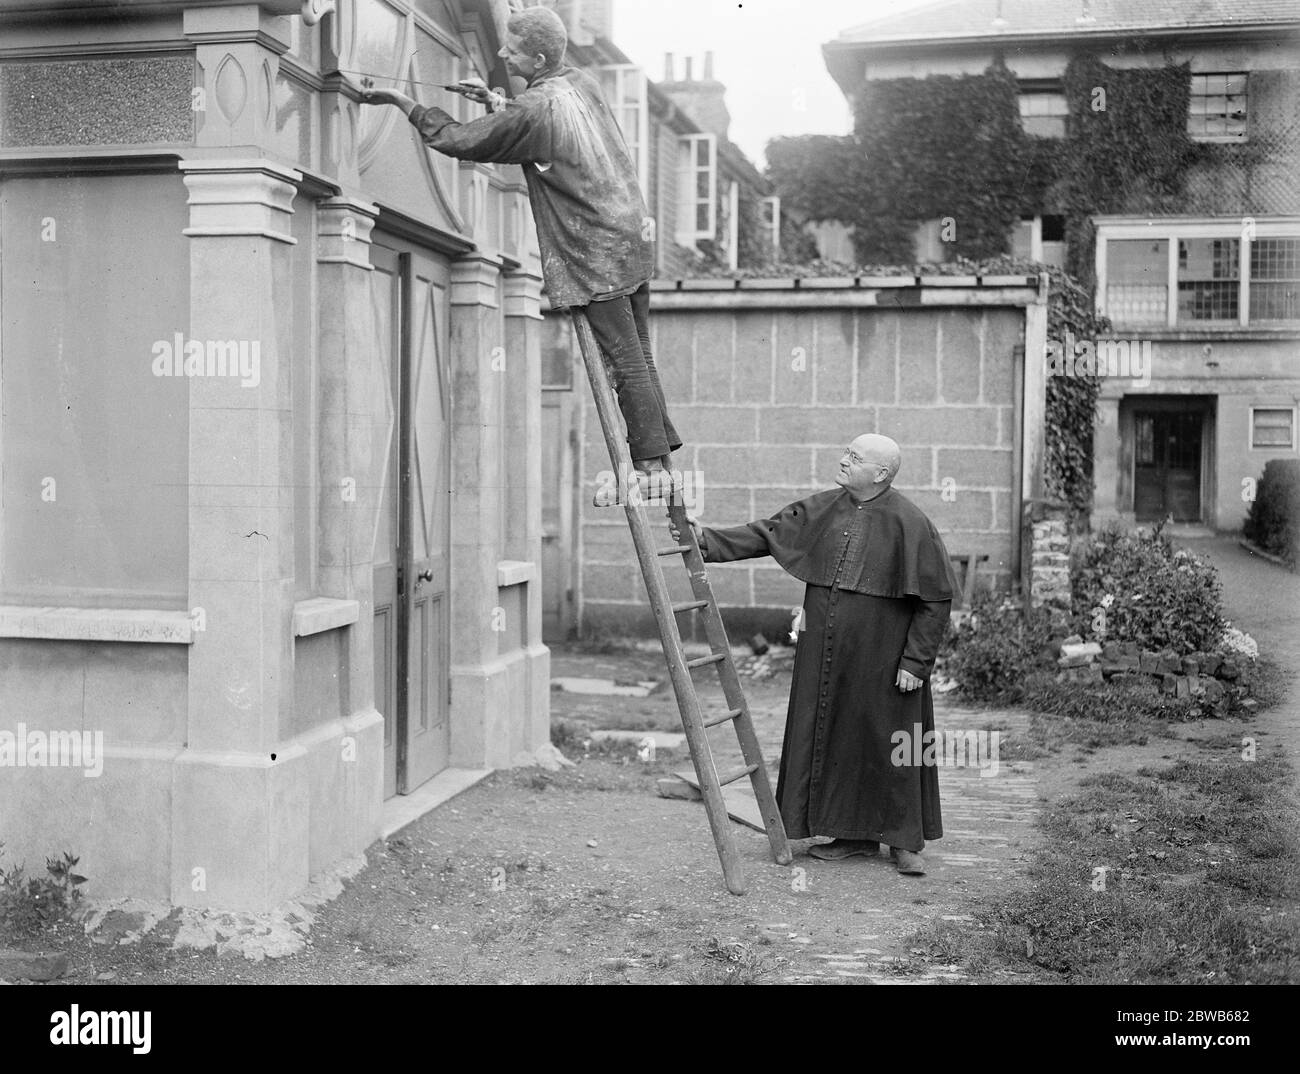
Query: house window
[[1272, 428], [1217, 109], [626, 90], [772, 221], [697, 211], [1209, 279], [1041, 239], [1206, 273], [1044, 113], [1137, 281], [1275, 280]]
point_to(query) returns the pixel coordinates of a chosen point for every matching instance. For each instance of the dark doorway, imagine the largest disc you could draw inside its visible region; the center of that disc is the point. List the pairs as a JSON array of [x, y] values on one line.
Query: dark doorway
[[1167, 456]]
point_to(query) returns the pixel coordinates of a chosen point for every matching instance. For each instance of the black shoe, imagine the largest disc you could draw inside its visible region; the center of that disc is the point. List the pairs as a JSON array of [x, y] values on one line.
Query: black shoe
[[844, 848]]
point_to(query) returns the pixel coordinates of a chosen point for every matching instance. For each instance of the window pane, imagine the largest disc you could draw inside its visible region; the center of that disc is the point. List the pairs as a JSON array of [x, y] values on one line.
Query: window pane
[[1146, 441], [1208, 279], [1275, 280], [702, 218], [1137, 275], [1022, 239], [1272, 429], [1218, 106], [703, 150]]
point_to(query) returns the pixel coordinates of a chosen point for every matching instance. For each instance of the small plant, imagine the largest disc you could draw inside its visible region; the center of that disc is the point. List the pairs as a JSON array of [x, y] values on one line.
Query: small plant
[[996, 648], [1136, 587], [31, 905]]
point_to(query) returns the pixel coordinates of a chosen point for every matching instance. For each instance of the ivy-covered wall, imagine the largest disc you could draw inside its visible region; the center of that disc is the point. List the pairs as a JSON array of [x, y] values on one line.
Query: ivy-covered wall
[[953, 148]]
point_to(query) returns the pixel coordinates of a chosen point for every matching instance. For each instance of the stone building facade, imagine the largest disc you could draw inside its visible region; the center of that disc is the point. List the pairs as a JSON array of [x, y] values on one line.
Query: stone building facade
[[270, 440]]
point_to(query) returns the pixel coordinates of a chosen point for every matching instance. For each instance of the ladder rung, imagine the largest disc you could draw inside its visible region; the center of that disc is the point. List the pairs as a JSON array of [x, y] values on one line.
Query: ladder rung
[[705, 661], [680, 550], [736, 773], [734, 714], [689, 606]]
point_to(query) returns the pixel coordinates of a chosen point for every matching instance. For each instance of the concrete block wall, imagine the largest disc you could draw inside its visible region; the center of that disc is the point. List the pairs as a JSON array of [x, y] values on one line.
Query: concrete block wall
[[768, 392]]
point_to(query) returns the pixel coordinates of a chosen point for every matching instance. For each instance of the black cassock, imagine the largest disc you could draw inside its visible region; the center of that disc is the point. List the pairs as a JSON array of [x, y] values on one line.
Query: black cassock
[[879, 593]]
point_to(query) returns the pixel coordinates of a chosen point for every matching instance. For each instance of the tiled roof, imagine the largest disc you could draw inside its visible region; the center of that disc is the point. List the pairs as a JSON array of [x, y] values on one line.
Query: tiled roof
[[958, 19]]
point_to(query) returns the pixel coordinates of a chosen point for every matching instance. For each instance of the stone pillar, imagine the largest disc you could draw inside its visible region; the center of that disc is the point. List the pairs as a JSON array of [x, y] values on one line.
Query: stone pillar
[[237, 52], [1106, 462], [480, 711], [351, 468], [1049, 570], [523, 418], [240, 800]]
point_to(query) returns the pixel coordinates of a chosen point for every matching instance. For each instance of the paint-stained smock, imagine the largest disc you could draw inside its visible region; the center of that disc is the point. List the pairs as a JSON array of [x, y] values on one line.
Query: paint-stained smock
[[593, 229], [879, 593]]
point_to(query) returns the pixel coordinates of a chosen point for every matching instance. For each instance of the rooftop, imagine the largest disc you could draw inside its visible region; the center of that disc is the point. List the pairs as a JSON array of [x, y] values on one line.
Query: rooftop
[[952, 20]]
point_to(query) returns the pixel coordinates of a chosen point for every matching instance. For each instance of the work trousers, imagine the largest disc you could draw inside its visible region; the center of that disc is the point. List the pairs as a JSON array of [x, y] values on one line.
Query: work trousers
[[622, 328]]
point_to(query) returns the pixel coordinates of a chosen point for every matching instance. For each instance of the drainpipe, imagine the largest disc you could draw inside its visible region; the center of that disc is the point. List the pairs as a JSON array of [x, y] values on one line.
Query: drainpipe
[[733, 219]]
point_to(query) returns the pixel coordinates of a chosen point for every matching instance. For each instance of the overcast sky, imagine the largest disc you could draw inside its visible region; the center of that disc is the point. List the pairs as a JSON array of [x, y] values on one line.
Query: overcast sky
[[768, 52]]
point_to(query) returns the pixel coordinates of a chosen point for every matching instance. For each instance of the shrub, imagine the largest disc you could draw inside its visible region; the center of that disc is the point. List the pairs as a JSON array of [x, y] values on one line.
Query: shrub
[[1273, 522], [995, 648], [1134, 587], [30, 905]]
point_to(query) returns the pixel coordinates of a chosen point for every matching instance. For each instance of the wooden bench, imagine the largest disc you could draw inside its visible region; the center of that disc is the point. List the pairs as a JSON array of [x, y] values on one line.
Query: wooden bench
[[965, 567]]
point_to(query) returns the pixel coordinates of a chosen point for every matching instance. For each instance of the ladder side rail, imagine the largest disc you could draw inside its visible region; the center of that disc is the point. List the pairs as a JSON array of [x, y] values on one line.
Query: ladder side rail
[[661, 603], [716, 631]]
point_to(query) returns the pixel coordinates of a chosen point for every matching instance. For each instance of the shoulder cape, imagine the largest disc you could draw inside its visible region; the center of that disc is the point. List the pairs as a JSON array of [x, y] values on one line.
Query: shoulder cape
[[902, 553]]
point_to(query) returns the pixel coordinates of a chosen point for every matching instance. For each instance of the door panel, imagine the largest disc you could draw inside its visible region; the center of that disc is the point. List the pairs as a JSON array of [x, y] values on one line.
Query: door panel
[[1167, 476], [412, 558], [386, 297], [427, 525]]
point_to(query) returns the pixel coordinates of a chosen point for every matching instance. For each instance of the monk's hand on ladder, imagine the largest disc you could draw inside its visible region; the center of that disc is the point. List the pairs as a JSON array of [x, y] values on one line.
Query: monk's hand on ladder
[[677, 533], [907, 682]]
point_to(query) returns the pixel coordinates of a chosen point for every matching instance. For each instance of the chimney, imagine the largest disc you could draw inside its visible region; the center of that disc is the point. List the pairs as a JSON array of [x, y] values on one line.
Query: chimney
[[670, 68], [704, 101]]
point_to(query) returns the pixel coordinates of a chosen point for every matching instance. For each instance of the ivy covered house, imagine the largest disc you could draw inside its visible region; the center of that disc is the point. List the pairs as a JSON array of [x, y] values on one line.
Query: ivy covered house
[[1149, 147]]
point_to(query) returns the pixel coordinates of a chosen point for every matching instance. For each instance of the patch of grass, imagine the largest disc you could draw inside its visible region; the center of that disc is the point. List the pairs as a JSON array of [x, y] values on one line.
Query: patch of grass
[[1052, 733], [1171, 875], [729, 963], [1269, 684], [1121, 700]]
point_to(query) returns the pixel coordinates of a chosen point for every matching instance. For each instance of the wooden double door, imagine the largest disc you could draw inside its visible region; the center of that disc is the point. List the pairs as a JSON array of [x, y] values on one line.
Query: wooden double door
[[1168, 449], [410, 300]]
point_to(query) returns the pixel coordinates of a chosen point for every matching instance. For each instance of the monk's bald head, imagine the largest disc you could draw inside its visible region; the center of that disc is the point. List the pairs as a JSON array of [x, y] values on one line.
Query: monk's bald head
[[869, 466]]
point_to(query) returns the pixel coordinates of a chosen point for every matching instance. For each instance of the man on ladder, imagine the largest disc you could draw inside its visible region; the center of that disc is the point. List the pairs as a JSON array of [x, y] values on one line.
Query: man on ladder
[[597, 247], [595, 233]]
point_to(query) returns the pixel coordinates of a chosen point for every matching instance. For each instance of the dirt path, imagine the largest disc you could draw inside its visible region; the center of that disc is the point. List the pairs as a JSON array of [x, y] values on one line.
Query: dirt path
[[587, 876]]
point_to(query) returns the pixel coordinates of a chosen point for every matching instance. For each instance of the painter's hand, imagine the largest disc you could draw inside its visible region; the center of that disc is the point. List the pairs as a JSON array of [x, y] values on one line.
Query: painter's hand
[[695, 527], [907, 682], [365, 91]]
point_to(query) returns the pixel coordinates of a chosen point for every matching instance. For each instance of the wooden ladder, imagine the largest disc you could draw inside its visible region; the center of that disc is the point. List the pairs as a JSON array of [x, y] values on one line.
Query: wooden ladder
[[679, 667]]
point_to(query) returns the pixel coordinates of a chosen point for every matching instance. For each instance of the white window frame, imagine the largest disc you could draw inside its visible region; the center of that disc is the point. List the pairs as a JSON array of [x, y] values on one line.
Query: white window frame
[[1173, 229], [1025, 96], [1250, 430], [772, 217], [1235, 139], [688, 200], [638, 140]]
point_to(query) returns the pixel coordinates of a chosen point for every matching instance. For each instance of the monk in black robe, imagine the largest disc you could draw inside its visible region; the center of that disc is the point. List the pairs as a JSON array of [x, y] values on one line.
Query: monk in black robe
[[879, 593]]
